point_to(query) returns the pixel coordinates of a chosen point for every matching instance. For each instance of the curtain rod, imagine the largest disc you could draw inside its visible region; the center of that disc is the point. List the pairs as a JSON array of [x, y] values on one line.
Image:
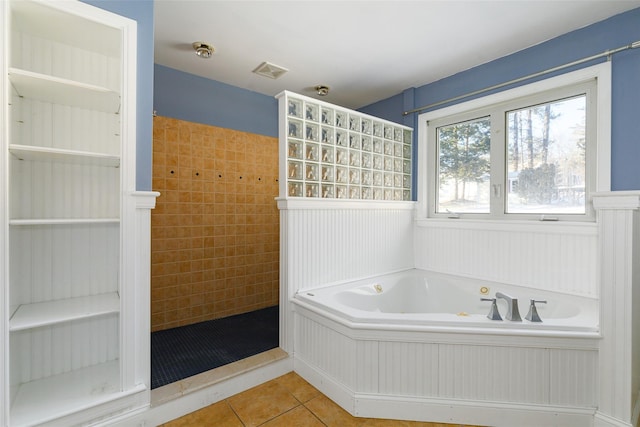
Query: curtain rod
[[607, 53]]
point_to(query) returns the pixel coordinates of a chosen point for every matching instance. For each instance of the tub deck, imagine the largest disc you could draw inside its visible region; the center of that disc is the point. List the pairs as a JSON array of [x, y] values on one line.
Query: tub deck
[[418, 299]]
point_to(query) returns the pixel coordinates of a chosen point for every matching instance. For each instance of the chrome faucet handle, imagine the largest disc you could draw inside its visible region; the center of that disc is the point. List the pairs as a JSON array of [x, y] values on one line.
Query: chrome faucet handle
[[532, 315], [494, 314]]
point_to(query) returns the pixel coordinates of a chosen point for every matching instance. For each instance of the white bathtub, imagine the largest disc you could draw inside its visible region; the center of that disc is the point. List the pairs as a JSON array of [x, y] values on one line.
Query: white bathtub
[[417, 345], [418, 299]]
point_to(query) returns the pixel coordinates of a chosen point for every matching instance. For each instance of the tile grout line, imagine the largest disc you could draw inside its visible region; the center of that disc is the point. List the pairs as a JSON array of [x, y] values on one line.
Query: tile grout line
[[300, 404], [234, 412], [313, 413], [281, 413]]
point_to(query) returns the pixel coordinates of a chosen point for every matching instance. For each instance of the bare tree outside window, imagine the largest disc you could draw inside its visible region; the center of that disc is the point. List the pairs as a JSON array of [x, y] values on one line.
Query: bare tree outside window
[[546, 158], [464, 166]]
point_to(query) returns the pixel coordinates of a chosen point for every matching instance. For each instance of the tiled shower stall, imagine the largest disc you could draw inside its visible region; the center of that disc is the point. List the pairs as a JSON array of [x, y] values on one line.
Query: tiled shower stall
[[214, 232]]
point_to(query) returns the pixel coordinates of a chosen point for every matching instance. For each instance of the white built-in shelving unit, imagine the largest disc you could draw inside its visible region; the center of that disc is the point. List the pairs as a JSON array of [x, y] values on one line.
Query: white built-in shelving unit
[[68, 269]]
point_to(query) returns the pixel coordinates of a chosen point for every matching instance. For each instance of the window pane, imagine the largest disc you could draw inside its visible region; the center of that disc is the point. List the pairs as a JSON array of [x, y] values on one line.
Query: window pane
[[546, 158], [463, 167]]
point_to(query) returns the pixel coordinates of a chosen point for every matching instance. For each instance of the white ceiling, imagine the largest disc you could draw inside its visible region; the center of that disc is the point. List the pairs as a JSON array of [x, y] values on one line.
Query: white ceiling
[[364, 51]]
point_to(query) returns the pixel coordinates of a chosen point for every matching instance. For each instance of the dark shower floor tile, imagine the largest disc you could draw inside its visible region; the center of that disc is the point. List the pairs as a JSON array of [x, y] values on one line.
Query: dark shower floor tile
[[185, 351]]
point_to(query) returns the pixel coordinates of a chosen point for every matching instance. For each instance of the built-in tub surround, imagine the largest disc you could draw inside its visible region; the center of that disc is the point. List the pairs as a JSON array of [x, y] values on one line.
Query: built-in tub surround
[[501, 376], [444, 360]]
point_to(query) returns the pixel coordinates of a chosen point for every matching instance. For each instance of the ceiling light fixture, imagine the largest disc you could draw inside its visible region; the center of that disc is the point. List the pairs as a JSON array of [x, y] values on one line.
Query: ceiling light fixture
[[322, 90], [203, 50]]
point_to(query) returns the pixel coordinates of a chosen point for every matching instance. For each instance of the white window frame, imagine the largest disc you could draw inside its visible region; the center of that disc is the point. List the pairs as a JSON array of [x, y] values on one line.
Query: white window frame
[[599, 162]]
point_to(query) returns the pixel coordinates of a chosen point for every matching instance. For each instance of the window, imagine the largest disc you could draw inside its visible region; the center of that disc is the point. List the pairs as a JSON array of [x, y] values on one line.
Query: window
[[464, 166], [527, 153], [546, 158]]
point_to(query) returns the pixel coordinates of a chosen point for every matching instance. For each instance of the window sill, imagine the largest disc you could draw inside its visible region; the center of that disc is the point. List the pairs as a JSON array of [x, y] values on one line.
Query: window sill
[[531, 226]]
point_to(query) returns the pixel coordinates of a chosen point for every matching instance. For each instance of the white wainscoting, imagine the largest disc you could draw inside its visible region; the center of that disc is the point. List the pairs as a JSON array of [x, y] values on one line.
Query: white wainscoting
[[332, 242], [619, 257], [324, 242], [549, 256], [552, 380]]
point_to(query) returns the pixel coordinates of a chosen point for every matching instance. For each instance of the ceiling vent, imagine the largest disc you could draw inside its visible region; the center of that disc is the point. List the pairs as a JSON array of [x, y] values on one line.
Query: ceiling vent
[[272, 71]]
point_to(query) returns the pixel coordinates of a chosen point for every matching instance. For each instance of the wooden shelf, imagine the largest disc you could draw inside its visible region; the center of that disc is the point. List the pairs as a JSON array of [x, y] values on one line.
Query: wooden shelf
[[30, 316], [47, 154], [62, 91], [49, 398]]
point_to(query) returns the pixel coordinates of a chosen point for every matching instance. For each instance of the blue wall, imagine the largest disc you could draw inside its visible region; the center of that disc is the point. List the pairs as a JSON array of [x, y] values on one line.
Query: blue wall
[[196, 99], [142, 12], [188, 97], [609, 34]]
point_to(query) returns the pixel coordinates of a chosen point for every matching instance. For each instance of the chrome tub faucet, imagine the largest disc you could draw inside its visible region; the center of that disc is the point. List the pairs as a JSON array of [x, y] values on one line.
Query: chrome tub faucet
[[513, 313]]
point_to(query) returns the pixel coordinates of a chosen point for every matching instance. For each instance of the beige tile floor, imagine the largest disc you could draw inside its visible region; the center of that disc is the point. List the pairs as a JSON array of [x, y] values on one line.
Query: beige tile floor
[[287, 401]]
